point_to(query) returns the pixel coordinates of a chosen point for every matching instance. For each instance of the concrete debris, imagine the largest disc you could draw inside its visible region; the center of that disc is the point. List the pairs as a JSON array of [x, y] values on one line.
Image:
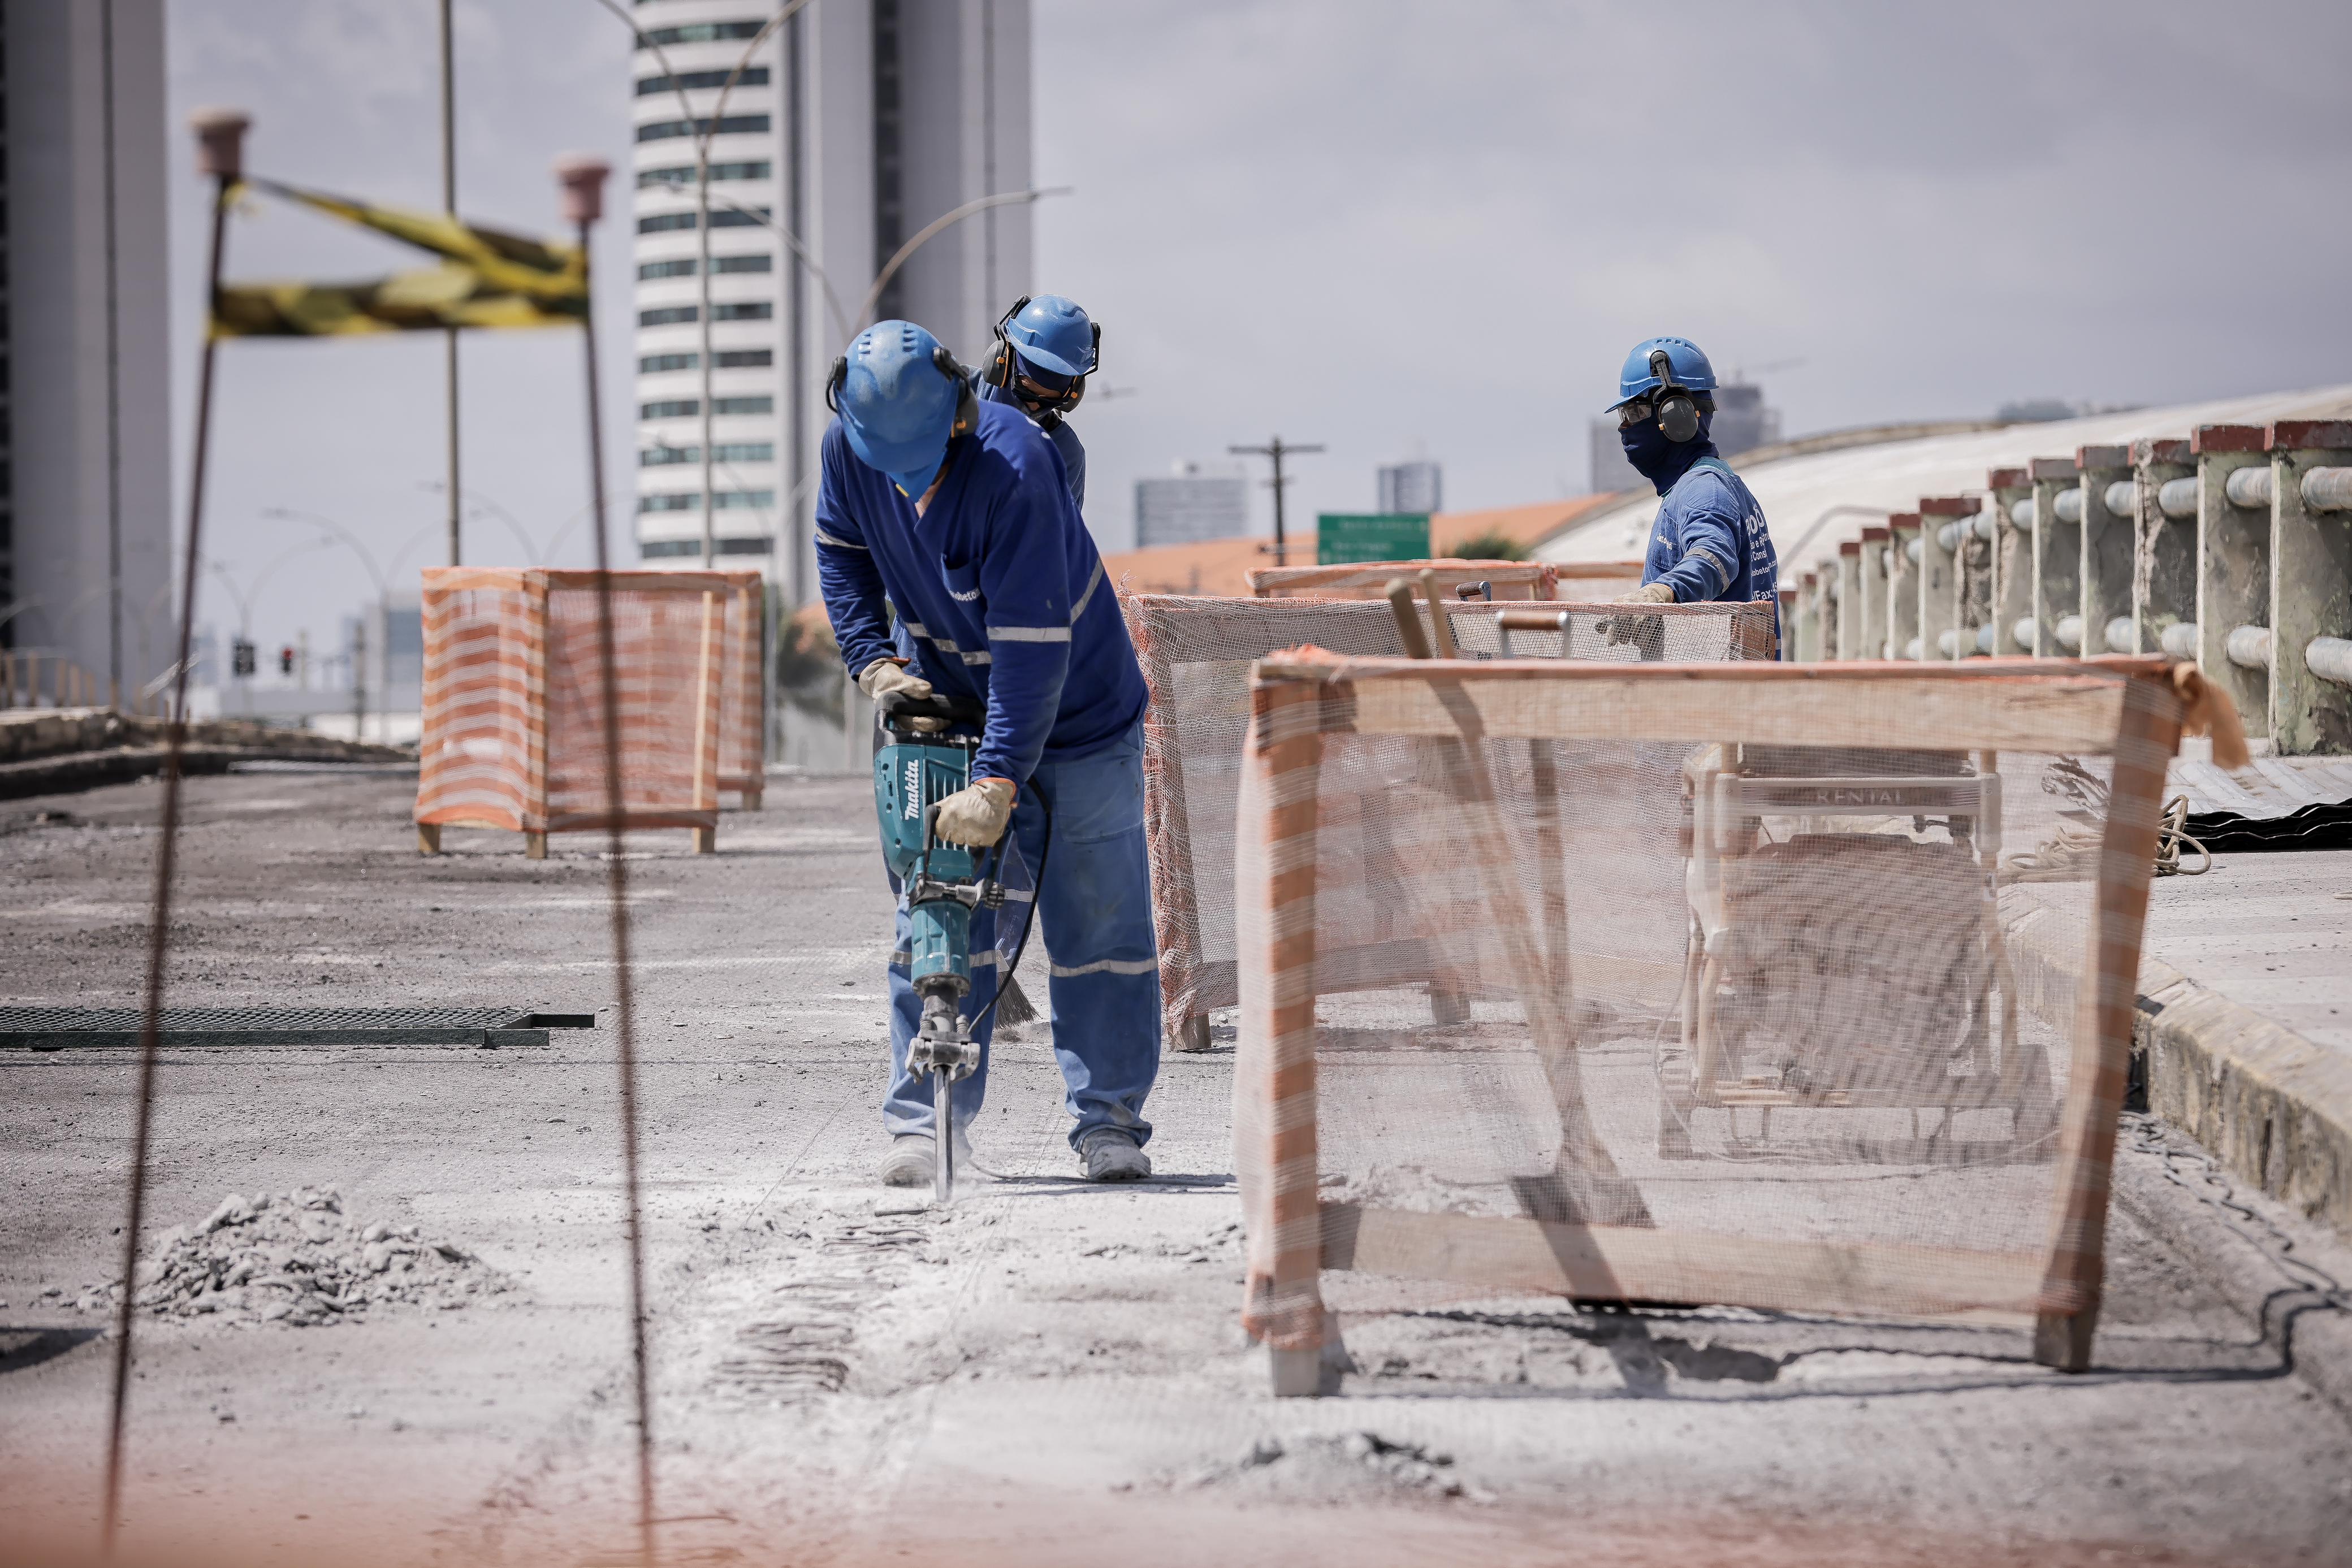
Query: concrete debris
[[1353, 1462], [298, 1259]]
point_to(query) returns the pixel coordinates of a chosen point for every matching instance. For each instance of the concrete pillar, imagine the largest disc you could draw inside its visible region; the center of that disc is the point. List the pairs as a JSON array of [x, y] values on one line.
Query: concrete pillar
[[2164, 562], [1808, 624], [1939, 575], [1870, 605], [1847, 602], [2234, 565], [2106, 567], [2311, 588], [2057, 557], [1903, 586], [2011, 591], [1786, 651]]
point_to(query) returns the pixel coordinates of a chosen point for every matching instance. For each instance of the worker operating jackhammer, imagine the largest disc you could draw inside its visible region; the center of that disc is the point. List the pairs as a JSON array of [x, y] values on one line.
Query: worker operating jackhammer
[[956, 510], [1710, 542]]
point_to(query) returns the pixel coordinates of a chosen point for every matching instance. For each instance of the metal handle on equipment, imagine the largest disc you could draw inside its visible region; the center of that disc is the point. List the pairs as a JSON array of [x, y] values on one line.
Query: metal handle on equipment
[[1408, 619]]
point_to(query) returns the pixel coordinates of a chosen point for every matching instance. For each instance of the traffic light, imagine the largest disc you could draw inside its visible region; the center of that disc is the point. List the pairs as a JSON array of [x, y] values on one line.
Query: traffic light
[[241, 658], [286, 660]]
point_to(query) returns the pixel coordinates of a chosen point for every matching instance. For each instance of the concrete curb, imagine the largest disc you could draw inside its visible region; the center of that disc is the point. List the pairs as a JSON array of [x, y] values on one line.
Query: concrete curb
[[2222, 1233], [120, 764], [2275, 1108]]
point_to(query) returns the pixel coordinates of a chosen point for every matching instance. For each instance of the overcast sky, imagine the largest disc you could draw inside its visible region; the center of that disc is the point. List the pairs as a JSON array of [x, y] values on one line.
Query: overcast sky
[[1387, 225]]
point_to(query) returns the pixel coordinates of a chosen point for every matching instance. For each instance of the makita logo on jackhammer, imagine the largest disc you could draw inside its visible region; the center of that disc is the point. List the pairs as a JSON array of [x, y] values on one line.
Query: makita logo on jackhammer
[[914, 787]]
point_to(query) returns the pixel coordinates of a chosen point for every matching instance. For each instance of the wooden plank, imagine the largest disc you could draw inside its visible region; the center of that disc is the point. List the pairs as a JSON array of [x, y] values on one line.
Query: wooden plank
[[2037, 705], [1624, 1263]]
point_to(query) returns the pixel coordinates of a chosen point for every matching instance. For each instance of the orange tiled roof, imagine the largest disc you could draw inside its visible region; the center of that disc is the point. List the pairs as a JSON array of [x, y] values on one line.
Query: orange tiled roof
[[1217, 566]]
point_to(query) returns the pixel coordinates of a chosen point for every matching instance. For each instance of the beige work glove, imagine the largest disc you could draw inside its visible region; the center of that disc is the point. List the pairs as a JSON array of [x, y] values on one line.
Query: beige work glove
[[891, 675], [1650, 593], [976, 814]]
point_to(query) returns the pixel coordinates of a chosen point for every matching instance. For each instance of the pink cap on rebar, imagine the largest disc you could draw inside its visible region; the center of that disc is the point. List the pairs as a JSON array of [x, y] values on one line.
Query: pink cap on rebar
[[220, 140], [583, 176]]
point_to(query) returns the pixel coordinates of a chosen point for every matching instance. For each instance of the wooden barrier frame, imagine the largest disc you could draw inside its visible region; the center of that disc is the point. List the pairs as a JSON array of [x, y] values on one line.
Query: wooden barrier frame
[[1368, 578], [522, 692], [2124, 707]]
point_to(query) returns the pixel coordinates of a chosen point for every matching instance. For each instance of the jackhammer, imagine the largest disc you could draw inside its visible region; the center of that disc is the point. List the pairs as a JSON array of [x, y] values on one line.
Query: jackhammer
[[914, 771]]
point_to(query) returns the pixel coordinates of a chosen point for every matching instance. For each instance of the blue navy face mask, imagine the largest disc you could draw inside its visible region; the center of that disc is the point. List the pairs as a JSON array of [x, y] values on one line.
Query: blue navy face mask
[[1659, 460]]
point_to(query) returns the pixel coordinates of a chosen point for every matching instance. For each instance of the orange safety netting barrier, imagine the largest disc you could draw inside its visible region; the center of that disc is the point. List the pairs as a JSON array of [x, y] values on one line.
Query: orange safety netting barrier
[[512, 733], [1196, 655], [1804, 988]]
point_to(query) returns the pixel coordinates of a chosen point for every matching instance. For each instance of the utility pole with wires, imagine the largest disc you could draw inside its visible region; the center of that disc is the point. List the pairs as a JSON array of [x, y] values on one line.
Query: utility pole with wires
[[449, 206], [1276, 449]]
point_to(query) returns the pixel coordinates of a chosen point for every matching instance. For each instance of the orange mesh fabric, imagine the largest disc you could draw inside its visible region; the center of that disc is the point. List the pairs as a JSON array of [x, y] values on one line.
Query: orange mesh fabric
[[1196, 654], [513, 705], [1786, 987]]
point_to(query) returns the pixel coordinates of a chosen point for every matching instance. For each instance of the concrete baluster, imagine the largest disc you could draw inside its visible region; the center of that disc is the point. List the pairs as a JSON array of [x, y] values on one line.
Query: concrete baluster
[[2057, 598], [2104, 567], [2311, 585], [2233, 564]]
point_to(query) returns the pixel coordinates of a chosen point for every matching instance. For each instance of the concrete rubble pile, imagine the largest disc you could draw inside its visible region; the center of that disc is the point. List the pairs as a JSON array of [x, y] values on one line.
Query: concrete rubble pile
[[298, 1259]]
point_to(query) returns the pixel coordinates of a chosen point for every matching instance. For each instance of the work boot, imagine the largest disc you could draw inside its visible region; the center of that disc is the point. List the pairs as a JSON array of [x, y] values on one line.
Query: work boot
[[913, 1155], [1108, 1154], [913, 1162]]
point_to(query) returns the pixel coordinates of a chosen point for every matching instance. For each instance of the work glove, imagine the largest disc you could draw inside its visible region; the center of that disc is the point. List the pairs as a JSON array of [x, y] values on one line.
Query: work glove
[[1650, 593], [1645, 633], [976, 814], [891, 675]]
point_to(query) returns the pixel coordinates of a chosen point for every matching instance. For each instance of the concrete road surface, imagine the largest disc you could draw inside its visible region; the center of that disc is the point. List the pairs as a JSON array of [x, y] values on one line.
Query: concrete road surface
[[1046, 1373]]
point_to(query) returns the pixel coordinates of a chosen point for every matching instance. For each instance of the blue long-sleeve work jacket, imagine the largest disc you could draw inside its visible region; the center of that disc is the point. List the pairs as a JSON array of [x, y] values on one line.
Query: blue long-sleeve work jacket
[[1058, 429], [1710, 542], [998, 584]]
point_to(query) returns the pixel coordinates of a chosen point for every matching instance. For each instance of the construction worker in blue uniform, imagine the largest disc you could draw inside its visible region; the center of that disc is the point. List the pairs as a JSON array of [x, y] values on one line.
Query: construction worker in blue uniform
[[957, 510], [1046, 349], [1710, 542]]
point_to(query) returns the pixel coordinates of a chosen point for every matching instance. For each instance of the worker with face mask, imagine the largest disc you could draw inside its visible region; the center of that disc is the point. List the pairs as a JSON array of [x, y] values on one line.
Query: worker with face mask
[[1046, 349], [957, 511], [1710, 543]]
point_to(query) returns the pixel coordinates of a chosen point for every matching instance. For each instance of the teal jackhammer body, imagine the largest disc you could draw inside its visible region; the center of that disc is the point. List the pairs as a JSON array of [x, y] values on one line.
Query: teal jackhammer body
[[944, 883]]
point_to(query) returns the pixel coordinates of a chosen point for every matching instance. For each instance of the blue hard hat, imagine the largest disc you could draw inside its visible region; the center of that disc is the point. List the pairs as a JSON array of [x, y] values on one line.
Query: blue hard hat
[[1051, 332], [1691, 370], [897, 404]]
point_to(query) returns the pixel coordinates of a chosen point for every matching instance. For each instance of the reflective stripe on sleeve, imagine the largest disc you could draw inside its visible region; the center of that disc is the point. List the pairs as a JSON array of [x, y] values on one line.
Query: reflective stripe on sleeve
[[825, 538]]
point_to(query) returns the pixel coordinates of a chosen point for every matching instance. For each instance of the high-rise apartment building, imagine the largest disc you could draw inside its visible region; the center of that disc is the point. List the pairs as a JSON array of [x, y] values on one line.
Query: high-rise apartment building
[[85, 356], [1415, 487], [1187, 505], [846, 132]]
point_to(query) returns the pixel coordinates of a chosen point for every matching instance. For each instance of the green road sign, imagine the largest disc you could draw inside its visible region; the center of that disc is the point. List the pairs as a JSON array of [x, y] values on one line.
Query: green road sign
[[1343, 536]]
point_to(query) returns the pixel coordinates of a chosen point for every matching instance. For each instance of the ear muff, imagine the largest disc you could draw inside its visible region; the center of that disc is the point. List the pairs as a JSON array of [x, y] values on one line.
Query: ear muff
[[1677, 412], [998, 371], [966, 412]]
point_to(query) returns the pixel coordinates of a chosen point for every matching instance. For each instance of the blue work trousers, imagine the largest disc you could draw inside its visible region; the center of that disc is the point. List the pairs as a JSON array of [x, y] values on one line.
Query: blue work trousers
[[1094, 909]]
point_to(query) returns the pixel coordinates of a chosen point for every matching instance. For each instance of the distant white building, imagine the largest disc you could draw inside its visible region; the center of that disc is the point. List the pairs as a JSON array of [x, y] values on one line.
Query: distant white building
[[1415, 487], [853, 127], [1188, 506]]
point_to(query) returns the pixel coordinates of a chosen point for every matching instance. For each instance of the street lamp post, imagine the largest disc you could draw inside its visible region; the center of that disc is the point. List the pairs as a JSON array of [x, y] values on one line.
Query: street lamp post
[[384, 602]]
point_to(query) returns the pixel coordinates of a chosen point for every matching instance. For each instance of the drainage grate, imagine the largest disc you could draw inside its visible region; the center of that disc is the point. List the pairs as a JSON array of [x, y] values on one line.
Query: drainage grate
[[59, 1029]]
